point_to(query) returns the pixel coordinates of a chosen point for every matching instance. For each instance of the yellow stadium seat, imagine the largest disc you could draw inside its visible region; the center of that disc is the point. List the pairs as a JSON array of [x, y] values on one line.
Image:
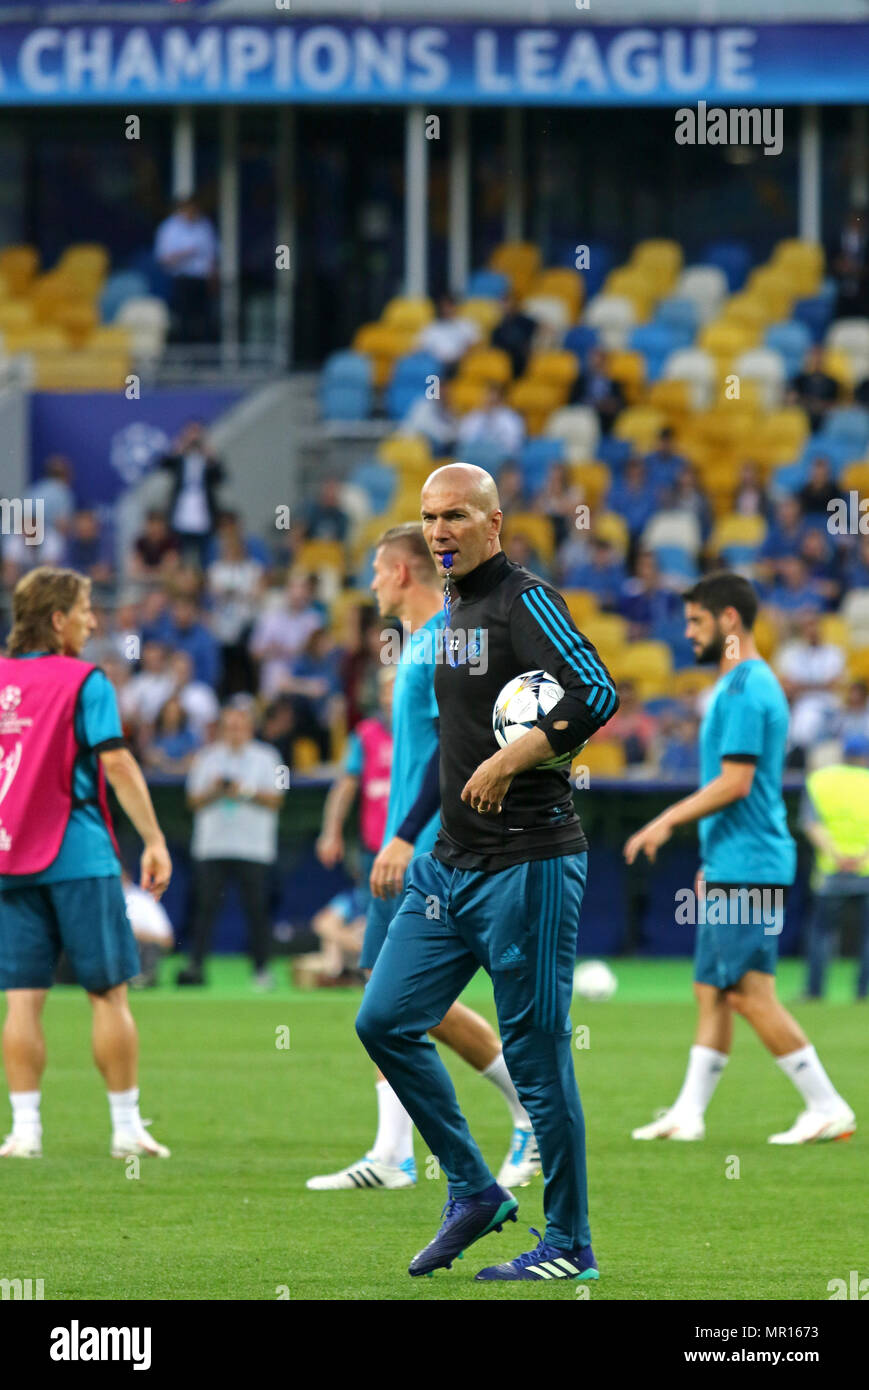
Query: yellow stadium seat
[[649, 665], [737, 530], [316, 555], [519, 261], [488, 364], [35, 338], [727, 338], [464, 394], [839, 365], [780, 436], [834, 630], [110, 337], [306, 754], [594, 478], [602, 757], [774, 291], [81, 370], [691, 681], [765, 633], [560, 369], [18, 266], [748, 310], [77, 319], [609, 526], [564, 284], [383, 344], [628, 368], [858, 664], [802, 262], [641, 424], [86, 261], [581, 605], [15, 313], [406, 451], [485, 313], [635, 285], [660, 258], [855, 478], [607, 632], [536, 529], [408, 313], [672, 398], [535, 402]]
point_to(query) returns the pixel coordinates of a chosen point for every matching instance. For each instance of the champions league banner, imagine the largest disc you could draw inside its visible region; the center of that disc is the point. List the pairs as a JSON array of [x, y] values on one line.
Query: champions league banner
[[476, 64]]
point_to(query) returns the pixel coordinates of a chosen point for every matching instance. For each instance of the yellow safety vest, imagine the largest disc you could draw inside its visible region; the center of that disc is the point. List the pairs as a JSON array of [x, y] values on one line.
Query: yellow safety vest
[[841, 798]]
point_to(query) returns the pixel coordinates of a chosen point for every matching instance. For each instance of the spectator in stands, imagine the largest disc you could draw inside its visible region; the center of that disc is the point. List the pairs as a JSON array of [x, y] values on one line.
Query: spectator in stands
[[197, 699], [558, 500], [632, 497], [595, 388], [632, 725], [89, 549], [324, 519], [313, 688], [186, 247], [434, 420], [663, 464], [196, 475], [234, 790], [514, 334], [645, 601], [277, 728], [810, 671], [856, 565], [143, 697], [783, 538], [849, 266], [853, 717], [813, 388], [494, 423], [822, 564], [521, 551], [820, 489], [155, 552], [360, 647], [173, 743], [677, 755], [182, 629], [686, 495], [511, 488], [750, 498], [795, 592], [449, 336], [36, 544], [235, 583], [55, 490], [603, 574], [281, 632]]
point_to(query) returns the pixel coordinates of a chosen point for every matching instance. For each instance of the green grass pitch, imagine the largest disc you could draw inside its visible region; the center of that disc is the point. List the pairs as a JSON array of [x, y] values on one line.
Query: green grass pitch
[[228, 1216]]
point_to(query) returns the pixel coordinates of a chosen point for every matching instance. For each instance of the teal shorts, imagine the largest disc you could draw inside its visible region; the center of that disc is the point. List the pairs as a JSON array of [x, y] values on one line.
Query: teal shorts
[[740, 932], [85, 917]]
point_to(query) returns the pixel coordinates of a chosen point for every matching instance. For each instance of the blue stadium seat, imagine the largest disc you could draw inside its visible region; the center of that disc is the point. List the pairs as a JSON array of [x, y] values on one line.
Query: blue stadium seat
[[793, 340], [487, 284], [410, 380], [789, 478], [580, 340], [656, 341], [736, 555], [848, 424], [816, 313], [378, 481], [347, 368], [733, 257], [614, 452], [680, 314], [601, 259], [121, 286], [537, 457], [484, 454], [345, 402], [665, 704], [839, 452], [673, 560]]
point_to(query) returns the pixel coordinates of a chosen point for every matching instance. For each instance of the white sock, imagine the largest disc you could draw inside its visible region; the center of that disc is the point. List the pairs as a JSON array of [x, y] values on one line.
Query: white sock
[[497, 1073], [394, 1142], [124, 1106], [25, 1114], [814, 1085], [705, 1066]]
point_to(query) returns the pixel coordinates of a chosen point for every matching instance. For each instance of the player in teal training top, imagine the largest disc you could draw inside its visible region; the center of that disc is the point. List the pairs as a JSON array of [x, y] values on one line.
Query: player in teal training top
[[748, 860], [406, 586]]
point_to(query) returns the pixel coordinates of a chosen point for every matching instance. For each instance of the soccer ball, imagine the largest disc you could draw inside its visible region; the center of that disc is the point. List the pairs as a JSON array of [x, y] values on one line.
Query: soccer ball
[[593, 979], [523, 701]]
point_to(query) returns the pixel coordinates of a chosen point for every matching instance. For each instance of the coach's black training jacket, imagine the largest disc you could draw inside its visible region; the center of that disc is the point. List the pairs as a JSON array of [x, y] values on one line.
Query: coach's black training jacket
[[503, 621]]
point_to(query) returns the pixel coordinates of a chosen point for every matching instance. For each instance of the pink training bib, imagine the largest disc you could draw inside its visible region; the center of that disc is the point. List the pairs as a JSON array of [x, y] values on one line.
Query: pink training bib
[[374, 784], [38, 749]]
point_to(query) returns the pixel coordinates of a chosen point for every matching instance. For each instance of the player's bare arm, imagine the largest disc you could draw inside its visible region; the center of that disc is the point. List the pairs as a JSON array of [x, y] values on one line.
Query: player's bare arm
[[733, 783], [330, 845], [486, 789], [389, 868], [129, 786]]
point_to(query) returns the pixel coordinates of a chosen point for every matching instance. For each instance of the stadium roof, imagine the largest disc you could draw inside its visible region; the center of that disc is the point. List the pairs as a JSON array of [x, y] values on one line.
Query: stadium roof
[[528, 12]]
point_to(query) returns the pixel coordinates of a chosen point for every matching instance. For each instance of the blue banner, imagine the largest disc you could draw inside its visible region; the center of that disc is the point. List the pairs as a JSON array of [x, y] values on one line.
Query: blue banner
[[351, 61], [112, 442]]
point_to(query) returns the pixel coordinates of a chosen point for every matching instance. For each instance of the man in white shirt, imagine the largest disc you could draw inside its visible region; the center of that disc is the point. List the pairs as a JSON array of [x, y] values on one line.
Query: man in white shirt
[[810, 669], [234, 791], [145, 694], [198, 700], [493, 423], [448, 337], [282, 632], [187, 248]]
